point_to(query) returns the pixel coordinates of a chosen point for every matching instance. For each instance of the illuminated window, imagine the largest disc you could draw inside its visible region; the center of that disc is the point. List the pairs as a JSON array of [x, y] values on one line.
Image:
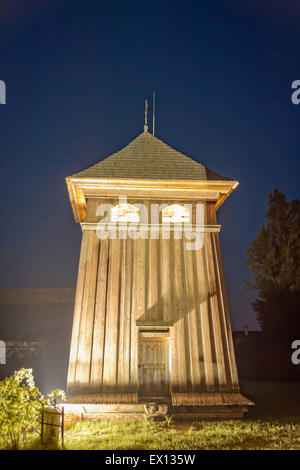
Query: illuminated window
[[125, 213], [175, 213]]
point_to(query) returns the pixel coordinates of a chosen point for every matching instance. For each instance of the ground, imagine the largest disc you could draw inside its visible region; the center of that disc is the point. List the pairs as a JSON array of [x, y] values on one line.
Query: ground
[[253, 434], [273, 424]]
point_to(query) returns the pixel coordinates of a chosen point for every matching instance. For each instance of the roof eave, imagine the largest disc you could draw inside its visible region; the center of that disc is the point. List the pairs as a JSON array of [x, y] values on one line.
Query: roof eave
[[217, 190]]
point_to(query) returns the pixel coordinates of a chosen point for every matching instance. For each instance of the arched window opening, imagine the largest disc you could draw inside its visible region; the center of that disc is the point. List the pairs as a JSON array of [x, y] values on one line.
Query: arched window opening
[[176, 213], [125, 213]]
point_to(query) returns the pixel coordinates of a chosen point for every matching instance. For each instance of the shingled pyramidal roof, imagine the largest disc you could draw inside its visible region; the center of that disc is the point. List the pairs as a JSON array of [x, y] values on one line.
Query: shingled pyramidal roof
[[149, 158]]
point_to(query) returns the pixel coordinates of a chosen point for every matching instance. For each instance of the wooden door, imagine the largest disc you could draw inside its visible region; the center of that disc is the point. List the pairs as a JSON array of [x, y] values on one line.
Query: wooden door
[[153, 363]]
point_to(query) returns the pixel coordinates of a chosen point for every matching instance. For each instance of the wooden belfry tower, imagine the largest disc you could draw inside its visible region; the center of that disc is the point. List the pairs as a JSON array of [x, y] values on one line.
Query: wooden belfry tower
[[151, 318]]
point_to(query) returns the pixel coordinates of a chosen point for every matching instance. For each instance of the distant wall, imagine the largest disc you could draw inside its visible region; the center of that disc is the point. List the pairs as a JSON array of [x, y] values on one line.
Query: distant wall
[[36, 325], [42, 314]]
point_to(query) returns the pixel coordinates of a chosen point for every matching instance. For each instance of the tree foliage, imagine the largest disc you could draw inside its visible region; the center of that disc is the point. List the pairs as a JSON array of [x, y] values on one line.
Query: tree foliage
[[20, 407], [274, 257]]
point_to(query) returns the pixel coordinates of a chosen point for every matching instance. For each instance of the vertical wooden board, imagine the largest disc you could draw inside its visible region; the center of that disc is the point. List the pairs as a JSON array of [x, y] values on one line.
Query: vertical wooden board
[[225, 317], [158, 371], [172, 286], [166, 284], [161, 281], [180, 313], [173, 359], [100, 316], [203, 292], [166, 360], [146, 372], [105, 379], [160, 304], [155, 371], [78, 309], [215, 312], [126, 354], [153, 350], [112, 323], [92, 205], [192, 322], [134, 312], [122, 287], [89, 217], [163, 360], [114, 311], [176, 308], [146, 354], [141, 287], [163, 371], [147, 300], [153, 281], [185, 301], [155, 360], [198, 320], [151, 361], [145, 357], [140, 367], [88, 310], [194, 212], [210, 213], [147, 269]]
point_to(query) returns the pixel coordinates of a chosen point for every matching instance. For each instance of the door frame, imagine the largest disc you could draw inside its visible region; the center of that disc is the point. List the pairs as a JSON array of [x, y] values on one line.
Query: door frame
[[155, 333]]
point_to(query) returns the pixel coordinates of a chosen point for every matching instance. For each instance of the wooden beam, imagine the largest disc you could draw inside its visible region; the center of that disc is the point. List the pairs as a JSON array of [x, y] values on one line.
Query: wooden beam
[[180, 314], [192, 323], [202, 301], [215, 312], [77, 311], [87, 316], [100, 317]]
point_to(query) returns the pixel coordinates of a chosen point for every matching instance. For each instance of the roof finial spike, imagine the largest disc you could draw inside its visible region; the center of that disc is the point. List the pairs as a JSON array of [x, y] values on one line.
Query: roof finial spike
[[146, 117]]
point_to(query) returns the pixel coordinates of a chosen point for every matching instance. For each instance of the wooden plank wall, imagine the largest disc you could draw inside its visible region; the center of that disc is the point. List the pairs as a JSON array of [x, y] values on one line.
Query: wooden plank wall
[[152, 282]]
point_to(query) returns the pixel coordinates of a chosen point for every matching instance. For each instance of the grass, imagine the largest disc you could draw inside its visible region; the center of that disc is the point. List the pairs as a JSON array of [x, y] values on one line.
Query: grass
[[273, 424], [186, 436], [267, 434]]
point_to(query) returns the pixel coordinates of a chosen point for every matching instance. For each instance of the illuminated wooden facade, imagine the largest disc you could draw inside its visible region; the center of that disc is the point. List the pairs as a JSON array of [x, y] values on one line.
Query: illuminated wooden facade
[[151, 318]]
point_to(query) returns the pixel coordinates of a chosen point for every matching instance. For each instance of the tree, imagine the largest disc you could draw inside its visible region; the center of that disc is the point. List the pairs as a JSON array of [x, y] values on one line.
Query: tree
[[20, 407], [274, 257]]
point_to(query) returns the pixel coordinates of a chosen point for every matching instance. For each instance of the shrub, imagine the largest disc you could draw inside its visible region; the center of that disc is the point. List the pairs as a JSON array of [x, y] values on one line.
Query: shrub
[[20, 407]]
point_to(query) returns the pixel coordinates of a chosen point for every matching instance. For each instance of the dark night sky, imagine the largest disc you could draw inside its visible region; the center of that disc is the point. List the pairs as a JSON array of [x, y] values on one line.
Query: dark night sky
[[77, 74]]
